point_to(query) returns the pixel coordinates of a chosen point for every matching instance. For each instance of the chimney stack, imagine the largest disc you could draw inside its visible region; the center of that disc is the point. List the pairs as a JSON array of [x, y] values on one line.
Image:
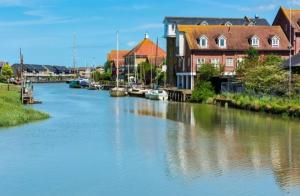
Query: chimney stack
[[146, 35]]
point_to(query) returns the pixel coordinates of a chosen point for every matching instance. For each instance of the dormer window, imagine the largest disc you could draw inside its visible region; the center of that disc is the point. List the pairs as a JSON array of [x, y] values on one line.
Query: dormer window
[[204, 23], [203, 42], [255, 41], [275, 41], [222, 42], [228, 23]]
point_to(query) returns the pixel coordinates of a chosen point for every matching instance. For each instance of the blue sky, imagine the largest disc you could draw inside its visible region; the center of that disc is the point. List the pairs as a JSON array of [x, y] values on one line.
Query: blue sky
[[44, 28]]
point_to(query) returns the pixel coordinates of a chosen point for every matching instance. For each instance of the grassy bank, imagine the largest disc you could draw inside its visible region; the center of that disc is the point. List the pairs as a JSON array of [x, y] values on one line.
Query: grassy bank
[[274, 105], [12, 112]]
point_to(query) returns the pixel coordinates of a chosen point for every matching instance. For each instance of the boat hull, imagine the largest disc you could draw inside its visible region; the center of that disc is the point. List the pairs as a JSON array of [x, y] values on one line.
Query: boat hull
[[117, 92]]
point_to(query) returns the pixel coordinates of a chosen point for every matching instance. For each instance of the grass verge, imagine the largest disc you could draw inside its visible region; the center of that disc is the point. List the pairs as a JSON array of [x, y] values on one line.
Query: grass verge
[[12, 112]]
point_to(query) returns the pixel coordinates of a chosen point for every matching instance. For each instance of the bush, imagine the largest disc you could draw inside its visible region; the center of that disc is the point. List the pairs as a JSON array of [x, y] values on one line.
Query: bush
[[202, 92]]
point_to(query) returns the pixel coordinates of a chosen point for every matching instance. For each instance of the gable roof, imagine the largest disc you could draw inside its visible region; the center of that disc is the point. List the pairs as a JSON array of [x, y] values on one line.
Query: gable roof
[[146, 48], [113, 56], [292, 15], [237, 36], [215, 21]]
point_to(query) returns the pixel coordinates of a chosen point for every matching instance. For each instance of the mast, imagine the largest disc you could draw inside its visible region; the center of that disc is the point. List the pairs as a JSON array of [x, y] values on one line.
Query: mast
[[21, 64], [156, 53], [290, 59], [74, 53], [117, 59], [135, 68]]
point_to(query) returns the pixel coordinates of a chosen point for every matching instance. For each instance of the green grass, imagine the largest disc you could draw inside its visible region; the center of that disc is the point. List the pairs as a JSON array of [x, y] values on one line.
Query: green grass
[[274, 105], [12, 112]]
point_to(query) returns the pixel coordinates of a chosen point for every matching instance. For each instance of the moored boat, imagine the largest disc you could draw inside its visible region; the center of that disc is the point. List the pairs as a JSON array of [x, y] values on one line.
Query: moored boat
[[157, 95], [118, 92], [75, 84], [136, 92]]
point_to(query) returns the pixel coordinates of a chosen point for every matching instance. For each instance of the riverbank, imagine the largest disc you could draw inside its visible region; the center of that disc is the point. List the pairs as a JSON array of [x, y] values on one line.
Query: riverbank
[[12, 112], [267, 104]]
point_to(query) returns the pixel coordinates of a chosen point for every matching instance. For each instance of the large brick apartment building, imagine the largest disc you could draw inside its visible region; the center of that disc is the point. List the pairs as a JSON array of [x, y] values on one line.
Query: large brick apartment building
[[224, 41]]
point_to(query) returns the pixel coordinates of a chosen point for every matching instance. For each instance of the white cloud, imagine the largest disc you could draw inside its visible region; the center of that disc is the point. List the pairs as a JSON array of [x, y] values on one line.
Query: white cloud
[[131, 43]]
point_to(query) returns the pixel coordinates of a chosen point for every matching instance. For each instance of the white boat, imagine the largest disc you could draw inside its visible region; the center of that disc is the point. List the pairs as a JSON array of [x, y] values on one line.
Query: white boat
[[118, 92], [157, 95]]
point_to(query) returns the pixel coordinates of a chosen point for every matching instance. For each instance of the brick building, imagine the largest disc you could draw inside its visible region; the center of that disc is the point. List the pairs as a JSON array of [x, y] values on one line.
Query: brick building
[[171, 24], [223, 45]]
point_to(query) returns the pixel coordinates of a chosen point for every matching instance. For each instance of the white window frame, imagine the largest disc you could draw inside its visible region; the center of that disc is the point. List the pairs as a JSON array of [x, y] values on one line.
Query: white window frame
[[219, 41], [255, 42], [215, 62], [275, 41], [203, 37], [239, 61], [200, 62], [231, 64]]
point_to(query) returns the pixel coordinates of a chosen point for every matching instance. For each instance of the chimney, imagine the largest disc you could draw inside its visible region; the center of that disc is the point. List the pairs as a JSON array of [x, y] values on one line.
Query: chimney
[[146, 36]]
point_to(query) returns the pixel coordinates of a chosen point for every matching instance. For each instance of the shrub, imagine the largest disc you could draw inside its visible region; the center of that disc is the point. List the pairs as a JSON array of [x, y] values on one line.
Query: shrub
[[203, 91]]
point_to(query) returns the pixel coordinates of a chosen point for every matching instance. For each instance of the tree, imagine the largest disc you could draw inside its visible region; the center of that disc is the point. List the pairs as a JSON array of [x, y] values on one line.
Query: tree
[[144, 71], [208, 71], [107, 67], [265, 75], [7, 71]]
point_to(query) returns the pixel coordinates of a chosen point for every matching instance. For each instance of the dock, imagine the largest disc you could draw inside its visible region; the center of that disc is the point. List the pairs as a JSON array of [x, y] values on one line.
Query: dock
[[179, 95]]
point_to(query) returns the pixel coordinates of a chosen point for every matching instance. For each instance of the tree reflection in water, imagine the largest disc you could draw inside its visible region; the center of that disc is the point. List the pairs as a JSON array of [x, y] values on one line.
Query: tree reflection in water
[[215, 140]]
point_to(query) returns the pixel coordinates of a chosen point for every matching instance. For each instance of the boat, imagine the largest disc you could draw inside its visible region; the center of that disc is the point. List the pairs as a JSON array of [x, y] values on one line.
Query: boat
[[157, 95], [75, 84], [137, 92], [117, 91]]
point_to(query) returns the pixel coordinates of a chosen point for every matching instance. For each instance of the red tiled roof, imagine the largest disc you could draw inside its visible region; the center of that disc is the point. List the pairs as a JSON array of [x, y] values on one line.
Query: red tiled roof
[[237, 36], [293, 16], [112, 56], [147, 48]]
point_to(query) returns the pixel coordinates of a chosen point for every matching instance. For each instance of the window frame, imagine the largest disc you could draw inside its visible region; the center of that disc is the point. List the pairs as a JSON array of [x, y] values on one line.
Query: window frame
[[201, 38], [255, 41], [275, 41], [222, 37], [232, 62]]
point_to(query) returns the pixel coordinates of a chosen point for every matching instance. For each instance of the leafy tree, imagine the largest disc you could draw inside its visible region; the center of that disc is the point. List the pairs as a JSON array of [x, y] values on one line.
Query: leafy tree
[[7, 71], [265, 75], [144, 71], [203, 91], [107, 67], [207, 71]]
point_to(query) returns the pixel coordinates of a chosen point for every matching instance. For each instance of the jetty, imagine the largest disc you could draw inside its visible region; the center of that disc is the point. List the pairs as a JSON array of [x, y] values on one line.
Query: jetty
[[179, 95]]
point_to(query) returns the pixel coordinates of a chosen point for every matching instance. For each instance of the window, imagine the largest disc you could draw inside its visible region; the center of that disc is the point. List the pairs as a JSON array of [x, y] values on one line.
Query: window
[[203, 42], [215, 62], [200, 62], [222, 42], [173, 27], [229, 62], [255, 41], [275, 41]]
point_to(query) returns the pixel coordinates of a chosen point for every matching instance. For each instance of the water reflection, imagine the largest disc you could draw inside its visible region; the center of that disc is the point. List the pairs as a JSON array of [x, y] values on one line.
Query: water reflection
[[212, 140]]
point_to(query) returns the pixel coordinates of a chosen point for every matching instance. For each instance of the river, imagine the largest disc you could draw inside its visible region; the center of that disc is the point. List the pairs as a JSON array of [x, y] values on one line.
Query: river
[[97, 145]]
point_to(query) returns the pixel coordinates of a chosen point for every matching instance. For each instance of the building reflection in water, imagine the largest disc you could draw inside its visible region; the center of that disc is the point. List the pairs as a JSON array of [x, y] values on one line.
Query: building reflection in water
[[212, 140]]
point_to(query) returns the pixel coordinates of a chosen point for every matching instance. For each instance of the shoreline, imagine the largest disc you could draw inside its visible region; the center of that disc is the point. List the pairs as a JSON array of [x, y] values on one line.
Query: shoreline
[[13, 112]]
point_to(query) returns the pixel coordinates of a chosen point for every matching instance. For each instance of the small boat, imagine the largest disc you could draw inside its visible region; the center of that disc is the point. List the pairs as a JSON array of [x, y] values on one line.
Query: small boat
[[75, 84], [136, 92], [157, 95], [118, 92]]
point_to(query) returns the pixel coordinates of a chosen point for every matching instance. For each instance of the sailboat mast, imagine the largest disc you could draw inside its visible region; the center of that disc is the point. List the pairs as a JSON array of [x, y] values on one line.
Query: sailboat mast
[[135, 68], [117, 59]]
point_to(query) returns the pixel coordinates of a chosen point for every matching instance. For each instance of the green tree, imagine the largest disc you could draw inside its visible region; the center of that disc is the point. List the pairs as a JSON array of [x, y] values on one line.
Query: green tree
[[207, 71], [265, 75], [107, 67], [144, 71], [7, 71], [203, 91]]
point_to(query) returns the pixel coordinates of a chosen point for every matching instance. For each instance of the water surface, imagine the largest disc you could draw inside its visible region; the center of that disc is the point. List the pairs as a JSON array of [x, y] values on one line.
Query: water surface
[[97, 145]]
